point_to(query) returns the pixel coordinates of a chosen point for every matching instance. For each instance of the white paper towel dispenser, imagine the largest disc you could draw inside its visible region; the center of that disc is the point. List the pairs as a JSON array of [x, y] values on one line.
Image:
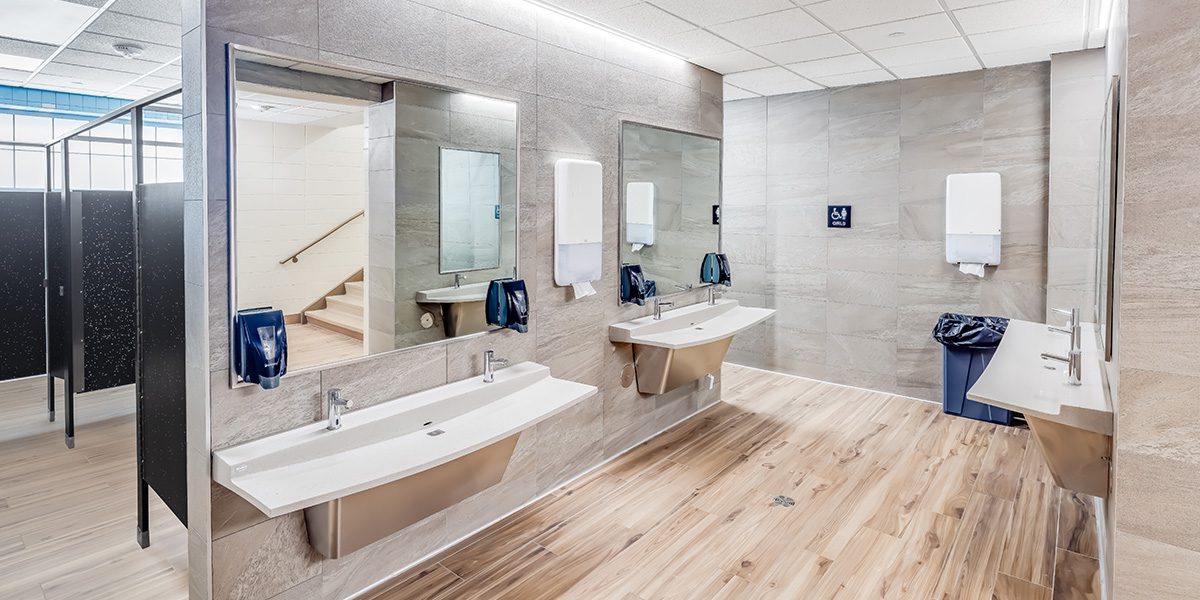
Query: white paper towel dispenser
[[639, 214], [578, 224], [973, 221]]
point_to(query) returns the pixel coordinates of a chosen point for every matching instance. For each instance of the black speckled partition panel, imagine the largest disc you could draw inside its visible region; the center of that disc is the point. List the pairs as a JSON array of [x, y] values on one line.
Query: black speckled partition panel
[[56, 276], [162, 414], [109, 294], [22, 262]]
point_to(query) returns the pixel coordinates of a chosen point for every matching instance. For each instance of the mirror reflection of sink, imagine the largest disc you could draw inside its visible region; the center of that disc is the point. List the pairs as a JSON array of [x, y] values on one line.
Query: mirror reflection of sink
[[468, 292], [462, 309]]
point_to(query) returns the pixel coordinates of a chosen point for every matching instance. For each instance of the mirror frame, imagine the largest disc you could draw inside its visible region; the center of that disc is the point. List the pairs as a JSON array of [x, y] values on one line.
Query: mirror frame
[[232, 51], [621, 196], [1106, 246]]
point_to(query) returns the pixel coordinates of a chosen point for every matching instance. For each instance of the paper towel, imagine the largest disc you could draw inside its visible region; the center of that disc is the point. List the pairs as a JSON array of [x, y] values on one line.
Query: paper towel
[[583, 289], [637, 247], [975, 269]]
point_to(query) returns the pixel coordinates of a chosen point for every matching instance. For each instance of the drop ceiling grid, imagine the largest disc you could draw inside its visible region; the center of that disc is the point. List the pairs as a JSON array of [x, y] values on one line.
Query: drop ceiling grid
[[88, 64], [766, 47]]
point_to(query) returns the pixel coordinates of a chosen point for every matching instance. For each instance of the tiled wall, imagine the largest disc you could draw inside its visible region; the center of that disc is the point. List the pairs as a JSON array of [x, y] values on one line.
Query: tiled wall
[[574, 86], [1078, 92], [857, 306], [1157, 464], [295, 183]]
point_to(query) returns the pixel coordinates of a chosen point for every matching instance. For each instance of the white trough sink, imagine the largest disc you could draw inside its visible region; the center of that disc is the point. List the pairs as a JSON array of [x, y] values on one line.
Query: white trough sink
[[311, 465], [686, 343], [690, 326], [470, 292]]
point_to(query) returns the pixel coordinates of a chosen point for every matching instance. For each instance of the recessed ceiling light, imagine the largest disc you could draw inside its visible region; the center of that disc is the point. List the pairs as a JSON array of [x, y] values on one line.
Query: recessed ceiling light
[[19, 63], [896, 34], [128, 50]]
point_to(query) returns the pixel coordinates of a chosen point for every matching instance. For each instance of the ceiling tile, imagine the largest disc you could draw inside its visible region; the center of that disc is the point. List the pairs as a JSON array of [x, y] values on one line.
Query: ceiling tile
[[44, 21], [811, 48], [848, 14], [732, 62], [108, 62], [645, 21], [915, 54], [591, 8], [1024, 55], [24, 48], [940, 67], [136, 29], [856, 78], [851, 63], [770, 81], [1021, 13], [909, 31], [697, 42], [1050, 34], [730, 92], [956, 4], [768, 29], [159, 10], [711, 12]]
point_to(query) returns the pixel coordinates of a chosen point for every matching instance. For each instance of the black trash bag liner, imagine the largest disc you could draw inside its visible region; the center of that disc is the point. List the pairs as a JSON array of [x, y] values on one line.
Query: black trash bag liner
[[955, 330]]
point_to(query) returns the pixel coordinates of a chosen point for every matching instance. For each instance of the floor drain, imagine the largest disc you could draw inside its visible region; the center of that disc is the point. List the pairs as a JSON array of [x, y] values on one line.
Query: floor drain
[[784, 501]]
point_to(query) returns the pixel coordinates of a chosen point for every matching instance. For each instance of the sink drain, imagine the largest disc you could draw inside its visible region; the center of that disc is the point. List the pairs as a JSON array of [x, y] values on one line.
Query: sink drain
[[784, 501]]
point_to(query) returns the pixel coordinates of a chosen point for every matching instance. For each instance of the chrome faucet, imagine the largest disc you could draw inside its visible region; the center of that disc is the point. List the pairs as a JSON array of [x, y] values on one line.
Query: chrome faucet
[[334, 405], [1074, 359], [458, 280], [714, 294], [659, 303], [489, 363]]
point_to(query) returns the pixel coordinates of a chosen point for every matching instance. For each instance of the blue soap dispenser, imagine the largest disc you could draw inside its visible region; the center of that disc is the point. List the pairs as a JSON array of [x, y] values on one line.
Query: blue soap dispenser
[[260, 346]]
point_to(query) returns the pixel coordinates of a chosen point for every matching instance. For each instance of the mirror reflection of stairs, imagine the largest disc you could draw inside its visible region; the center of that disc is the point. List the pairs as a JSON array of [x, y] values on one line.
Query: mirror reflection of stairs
[[343, 313]]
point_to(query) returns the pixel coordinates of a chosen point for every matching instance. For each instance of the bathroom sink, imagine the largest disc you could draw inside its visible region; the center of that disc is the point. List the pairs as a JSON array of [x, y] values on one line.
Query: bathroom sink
[[1073, 424], [462, 307], [686, 343], [690, 326], [471, 292], [394, 463]]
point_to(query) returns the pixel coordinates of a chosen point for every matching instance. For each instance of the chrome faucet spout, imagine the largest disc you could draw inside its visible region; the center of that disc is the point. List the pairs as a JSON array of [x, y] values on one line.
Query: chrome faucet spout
[[458, 280], [659, 303], [489, 365], [334, 405]]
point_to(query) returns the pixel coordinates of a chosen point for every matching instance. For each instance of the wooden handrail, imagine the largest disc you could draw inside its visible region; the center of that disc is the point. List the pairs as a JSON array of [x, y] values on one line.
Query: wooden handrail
[[296, 257]]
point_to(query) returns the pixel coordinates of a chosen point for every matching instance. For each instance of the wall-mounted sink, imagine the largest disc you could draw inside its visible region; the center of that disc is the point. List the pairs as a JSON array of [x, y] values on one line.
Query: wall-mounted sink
[[1073, 424], [462, 307], [686, 343], [394, 463]]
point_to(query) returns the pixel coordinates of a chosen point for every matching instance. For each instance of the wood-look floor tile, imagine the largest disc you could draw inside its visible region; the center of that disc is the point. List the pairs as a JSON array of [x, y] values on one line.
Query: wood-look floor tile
[[1076, 577], [917, 567], [1077, 525], [1012, 588], [1029, 551], [1001, 469], [971, 567], [427, 583]]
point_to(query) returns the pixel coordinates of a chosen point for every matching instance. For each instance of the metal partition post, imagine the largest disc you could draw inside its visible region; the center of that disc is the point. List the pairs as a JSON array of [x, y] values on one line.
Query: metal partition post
[[46, 278], [143, 489], [73, 255]]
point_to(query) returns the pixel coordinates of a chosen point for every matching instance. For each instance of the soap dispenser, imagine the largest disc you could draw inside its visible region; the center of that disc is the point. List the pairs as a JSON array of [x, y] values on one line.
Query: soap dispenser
[[260, 346]]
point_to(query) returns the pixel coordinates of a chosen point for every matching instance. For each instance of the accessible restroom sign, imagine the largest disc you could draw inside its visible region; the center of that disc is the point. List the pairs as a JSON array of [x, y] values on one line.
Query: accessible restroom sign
[[839, 217]]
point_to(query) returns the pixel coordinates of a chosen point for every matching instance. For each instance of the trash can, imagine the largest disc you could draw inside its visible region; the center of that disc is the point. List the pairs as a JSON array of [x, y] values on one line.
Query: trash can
[[968, 343]]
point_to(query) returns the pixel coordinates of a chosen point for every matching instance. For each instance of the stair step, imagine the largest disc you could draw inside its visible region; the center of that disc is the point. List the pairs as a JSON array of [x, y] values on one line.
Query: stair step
[[354, 289], [345, 304], [338, 321]]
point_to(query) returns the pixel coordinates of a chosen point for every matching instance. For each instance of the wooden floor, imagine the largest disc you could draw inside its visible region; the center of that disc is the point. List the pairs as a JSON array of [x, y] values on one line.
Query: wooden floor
[[310, 345], [792, 489], [23, 407], [67, 517]]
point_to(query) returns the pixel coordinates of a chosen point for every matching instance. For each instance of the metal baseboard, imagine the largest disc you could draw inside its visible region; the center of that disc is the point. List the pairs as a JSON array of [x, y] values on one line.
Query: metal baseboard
[[339, 527]]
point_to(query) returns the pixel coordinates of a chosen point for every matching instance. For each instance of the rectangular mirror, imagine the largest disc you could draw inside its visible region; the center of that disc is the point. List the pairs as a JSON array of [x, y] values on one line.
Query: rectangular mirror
[[670, 187], [470, 210], [371, 211], [1106, 216]]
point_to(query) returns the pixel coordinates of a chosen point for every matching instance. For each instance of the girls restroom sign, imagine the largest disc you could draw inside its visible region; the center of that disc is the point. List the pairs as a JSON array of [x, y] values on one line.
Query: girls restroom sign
[[839, 217]]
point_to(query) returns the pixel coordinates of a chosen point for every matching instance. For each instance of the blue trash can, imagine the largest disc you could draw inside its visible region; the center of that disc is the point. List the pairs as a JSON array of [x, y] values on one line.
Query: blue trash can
[[968, 343]]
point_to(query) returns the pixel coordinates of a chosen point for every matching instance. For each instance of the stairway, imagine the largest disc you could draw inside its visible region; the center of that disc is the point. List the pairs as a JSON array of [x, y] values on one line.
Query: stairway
[[343, 313]]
